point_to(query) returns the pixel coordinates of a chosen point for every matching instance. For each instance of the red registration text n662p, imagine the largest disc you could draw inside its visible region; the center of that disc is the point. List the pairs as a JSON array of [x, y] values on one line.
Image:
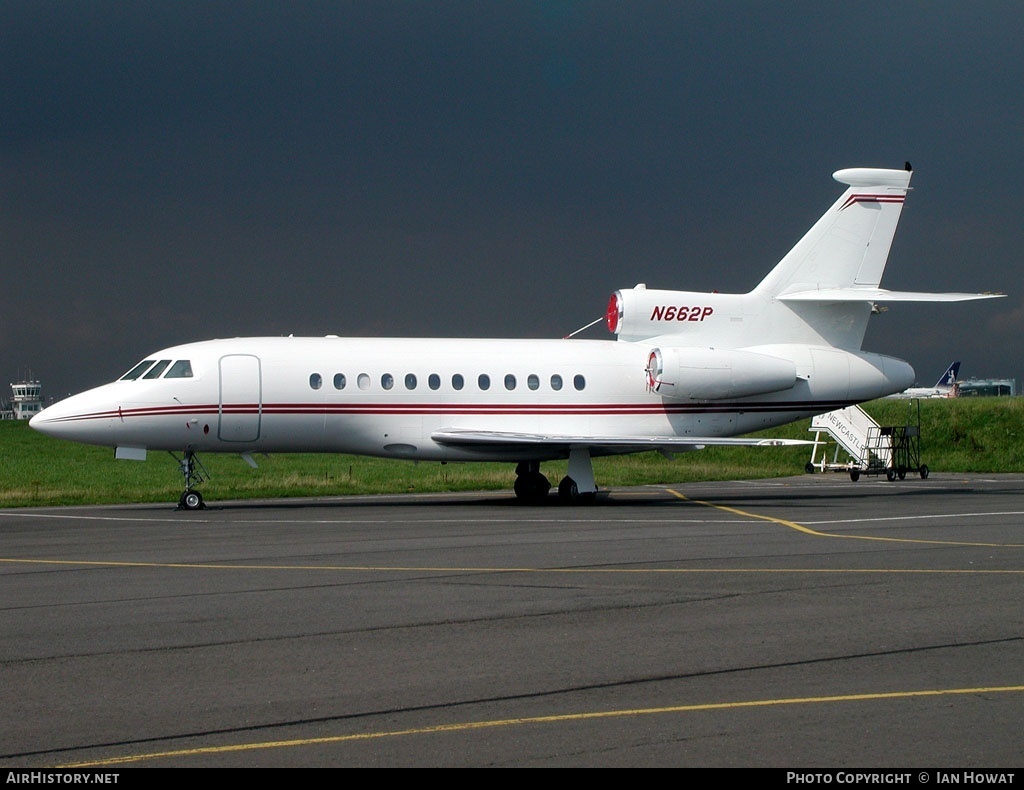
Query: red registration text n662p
[[671, 312]]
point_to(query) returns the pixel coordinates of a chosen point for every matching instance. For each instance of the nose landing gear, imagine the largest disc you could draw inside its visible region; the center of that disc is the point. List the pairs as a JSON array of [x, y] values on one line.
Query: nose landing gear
[[191, 500], [194, 473]]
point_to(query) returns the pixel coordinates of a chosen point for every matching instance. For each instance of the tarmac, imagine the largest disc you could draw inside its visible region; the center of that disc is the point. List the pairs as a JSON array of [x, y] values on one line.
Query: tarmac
[[807, 622]]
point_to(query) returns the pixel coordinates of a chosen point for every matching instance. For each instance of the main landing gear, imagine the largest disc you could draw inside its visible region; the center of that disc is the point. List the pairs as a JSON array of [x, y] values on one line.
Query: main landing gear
[[194, 474], [576, 488], [531, 486]]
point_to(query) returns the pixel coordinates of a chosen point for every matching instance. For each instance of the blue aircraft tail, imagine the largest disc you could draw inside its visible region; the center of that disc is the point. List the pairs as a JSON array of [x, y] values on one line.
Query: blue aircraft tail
[[949, 378]]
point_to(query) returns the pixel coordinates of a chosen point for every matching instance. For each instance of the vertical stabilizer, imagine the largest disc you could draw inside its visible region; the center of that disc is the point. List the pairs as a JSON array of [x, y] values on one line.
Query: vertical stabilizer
[[950, 377], [850, 244], [845, 250]]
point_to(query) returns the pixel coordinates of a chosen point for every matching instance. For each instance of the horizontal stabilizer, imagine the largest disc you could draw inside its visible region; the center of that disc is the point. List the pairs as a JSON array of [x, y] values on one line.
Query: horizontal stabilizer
[[504, 439], [829, 295]]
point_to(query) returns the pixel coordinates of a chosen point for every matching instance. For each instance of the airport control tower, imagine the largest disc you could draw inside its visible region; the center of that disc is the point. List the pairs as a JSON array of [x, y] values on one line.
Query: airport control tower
[[26, 399]]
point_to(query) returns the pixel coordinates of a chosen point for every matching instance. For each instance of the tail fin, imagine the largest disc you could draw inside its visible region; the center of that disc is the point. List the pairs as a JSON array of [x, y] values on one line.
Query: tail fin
[[950, 377], [826, 282], [848, 247], [829, 280]]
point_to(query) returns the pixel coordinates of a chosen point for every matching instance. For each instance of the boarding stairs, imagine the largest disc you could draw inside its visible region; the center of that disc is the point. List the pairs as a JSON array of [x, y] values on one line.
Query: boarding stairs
[[868, 444]]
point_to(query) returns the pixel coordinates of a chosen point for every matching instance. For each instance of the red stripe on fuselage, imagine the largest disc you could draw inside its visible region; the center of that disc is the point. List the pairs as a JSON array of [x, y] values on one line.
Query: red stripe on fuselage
[[506, 409]]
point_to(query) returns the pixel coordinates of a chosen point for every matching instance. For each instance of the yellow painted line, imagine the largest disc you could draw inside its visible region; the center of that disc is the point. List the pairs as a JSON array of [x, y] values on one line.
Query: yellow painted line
[[516, 722], [815, 533]]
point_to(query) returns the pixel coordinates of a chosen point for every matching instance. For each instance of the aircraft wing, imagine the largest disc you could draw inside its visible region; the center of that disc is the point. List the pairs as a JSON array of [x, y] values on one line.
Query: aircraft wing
[[461, 437], [879, 295]]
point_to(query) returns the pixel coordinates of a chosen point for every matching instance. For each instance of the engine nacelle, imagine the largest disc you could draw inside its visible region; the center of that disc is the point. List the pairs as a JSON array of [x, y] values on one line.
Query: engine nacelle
[[638, 313], [711, 374]]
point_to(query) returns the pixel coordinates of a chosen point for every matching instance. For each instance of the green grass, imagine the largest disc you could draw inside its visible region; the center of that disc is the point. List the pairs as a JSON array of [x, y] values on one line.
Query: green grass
[[957, 435]]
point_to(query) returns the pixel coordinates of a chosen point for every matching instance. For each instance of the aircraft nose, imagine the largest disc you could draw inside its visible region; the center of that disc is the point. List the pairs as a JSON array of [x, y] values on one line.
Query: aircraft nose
[[80, 418], [41, 420], [49, 422]]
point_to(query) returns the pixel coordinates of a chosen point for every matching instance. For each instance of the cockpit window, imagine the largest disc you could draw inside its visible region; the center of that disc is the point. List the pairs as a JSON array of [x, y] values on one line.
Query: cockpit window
[[157, 369], [138, 370], [182, 369]]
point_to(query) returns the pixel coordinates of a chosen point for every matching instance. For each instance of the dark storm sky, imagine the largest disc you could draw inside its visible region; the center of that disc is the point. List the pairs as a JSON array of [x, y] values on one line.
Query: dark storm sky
[[176, 171]]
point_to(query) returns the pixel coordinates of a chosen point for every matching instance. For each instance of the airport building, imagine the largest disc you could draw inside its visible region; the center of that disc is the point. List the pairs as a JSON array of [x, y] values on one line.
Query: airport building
[[26, 401], [973, 388]]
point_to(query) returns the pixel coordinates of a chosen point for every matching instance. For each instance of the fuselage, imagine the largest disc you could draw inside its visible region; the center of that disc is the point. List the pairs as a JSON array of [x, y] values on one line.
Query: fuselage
[[388, 396]]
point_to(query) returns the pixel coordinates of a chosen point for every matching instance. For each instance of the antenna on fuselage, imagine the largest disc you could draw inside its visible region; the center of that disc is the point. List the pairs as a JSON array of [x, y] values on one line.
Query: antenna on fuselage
[[583, 328]]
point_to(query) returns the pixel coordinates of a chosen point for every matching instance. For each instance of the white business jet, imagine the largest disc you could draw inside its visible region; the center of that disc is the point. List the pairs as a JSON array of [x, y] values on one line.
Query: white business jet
[[685, 370]]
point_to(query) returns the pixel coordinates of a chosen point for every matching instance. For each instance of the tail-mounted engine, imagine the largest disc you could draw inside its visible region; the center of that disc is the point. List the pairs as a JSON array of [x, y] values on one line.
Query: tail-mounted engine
[[638, 313], [712, 374]]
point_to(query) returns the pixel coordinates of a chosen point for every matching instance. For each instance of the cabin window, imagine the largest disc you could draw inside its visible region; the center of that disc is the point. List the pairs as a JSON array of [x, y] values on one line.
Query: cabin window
[[457, 381], [363, 382], [533, 381], [556, 382], [579, 382], [483, 381], [137, 371], [182, 369], [316, 381], [157, 369], [410, 381], [339, 381], [434, 381], [387, 381], [510, 381]]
